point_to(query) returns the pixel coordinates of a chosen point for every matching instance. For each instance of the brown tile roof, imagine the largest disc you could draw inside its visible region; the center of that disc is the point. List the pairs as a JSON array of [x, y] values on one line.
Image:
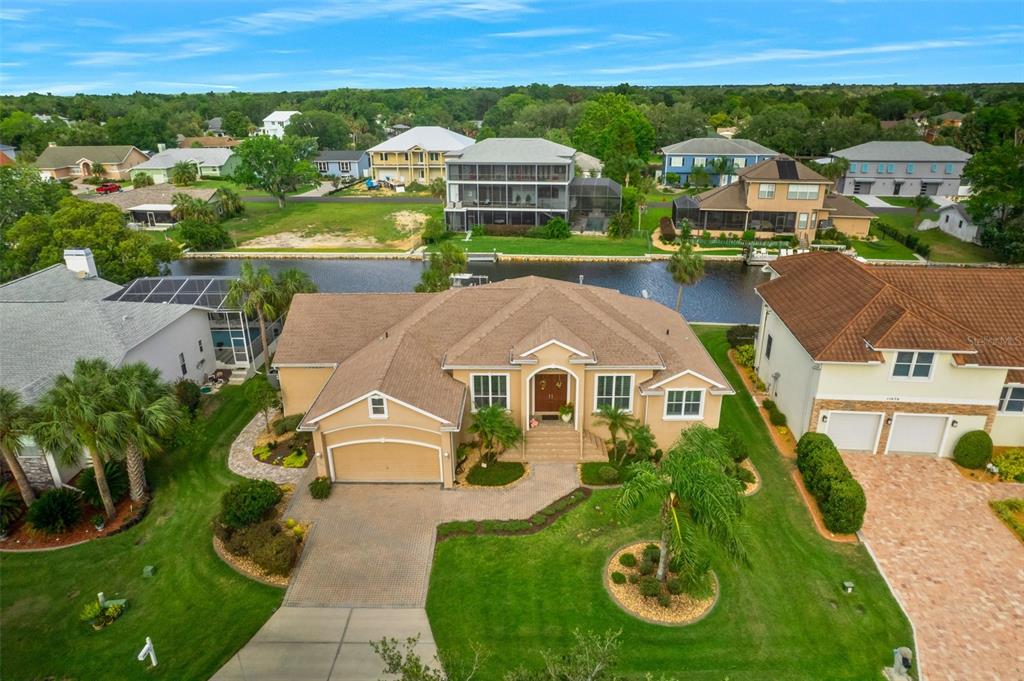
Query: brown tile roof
[[844, 311], [729, 197], [208, 142], [772, 169], [841, 207], [399, 343]]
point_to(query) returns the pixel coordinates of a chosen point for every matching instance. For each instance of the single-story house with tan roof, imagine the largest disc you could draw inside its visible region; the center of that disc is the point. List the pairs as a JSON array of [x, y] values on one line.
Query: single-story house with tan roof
[[112, 162], [152, 207], [893, 360], [388, 383]]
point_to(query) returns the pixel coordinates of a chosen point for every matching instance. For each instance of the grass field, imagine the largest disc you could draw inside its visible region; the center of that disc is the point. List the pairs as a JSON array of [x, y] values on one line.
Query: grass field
[[885, 248], [649, 220], [197, 610], [905, 202], [574, 245], [784, 617], [945, 247], [373, 221], [242, 190]]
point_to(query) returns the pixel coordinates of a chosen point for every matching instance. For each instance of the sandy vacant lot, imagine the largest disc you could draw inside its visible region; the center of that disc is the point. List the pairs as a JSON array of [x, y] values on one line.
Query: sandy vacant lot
[[410, 223]]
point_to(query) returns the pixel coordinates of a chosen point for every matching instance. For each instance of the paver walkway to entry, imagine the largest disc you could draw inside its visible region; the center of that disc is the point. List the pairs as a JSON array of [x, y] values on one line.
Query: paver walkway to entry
[[365, 570], [957, 570]]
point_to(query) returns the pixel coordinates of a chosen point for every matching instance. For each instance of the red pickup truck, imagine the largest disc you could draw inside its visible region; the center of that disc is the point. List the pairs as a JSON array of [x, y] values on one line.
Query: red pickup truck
[[108, 188]]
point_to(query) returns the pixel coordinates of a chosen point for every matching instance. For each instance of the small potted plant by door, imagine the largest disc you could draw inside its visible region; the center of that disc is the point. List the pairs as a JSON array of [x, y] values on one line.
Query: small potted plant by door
[[565, 412], [98, 522]]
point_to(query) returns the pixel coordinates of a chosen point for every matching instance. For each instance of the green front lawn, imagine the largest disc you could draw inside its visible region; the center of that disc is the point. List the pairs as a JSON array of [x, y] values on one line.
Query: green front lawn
[[905, 201], [574, 245], [197, 610], [374, 221], [649, 220], [242, 190], [945, 247], [784, 617], [885, 248]]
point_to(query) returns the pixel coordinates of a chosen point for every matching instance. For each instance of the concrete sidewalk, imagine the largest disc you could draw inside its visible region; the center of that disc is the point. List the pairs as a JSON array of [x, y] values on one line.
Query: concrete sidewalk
[[326, 644]]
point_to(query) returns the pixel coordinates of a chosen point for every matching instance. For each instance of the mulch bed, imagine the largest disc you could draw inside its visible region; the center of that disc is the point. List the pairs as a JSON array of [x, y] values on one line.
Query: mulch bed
[[284, 446], [535, 523], [682, 609], [245, 567], [24, 538], [752, 488]]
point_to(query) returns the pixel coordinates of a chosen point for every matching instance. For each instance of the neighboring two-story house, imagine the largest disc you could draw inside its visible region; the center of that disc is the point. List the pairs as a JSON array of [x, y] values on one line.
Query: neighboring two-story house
[[524, 181], [274, 123], [776, 198], [344, 163], [902, 169], [893, 360], [702, 152], [416, 155], [111, 162]]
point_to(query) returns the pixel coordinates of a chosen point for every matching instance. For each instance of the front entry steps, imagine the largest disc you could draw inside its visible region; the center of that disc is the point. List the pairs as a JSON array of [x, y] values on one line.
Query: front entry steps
[[556, 441]]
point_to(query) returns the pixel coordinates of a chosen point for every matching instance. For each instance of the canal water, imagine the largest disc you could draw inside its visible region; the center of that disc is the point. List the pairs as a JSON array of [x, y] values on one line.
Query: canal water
[[725, 294]]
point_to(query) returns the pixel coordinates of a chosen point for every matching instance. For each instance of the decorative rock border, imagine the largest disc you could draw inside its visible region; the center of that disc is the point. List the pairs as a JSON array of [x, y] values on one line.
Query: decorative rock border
[[751, 491], [242, 462], [627, 596], [247, 568]]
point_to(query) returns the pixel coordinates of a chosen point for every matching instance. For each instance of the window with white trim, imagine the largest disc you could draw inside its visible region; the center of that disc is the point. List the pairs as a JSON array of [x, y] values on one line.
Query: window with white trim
[[801, 221], [913, 364], [1011, 400], [181, 361], [615, 391], [684, 403], [699, 161], [321, 166], [766, 190], [803, 191], [378, 407], [490, 389], [434, 156], [739, 163]]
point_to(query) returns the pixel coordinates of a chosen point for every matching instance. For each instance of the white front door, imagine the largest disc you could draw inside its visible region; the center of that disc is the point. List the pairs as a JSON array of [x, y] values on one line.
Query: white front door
[[854, 431], [917, 434]]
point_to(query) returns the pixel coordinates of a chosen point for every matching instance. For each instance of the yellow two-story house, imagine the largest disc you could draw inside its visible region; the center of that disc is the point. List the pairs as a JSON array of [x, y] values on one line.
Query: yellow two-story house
[[776, 198], [416, 155]]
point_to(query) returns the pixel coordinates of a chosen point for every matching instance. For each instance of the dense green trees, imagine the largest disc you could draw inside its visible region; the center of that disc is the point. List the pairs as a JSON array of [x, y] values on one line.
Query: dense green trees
[[996, 177], [615, 130], [329, 129], [276, 166]]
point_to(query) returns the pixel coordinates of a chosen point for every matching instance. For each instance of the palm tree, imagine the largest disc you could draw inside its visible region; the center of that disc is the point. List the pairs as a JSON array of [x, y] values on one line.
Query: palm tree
[[616, 420], [722, 167], [920, 203], [14, 427], [79, 413], [700, 502], [290, 282], [183, 173], [152, 413], [185, 207], [686, 268], [229, 202], [495, 430], [255, 294]]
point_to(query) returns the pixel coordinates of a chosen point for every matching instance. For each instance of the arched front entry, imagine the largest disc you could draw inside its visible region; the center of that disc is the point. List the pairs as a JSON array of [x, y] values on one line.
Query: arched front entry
[[551, 388]]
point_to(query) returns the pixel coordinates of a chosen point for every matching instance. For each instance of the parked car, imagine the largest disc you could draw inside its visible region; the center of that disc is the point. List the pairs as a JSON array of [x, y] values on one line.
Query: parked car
[[108, 188]]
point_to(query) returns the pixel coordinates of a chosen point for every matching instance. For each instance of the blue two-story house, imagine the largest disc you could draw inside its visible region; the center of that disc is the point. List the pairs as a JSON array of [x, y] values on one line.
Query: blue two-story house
[[344, 163], [702, 152]]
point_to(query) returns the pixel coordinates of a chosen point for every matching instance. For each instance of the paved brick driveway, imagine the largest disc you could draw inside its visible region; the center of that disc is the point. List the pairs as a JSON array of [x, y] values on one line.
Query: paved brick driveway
[[372, 545], [958, 571]]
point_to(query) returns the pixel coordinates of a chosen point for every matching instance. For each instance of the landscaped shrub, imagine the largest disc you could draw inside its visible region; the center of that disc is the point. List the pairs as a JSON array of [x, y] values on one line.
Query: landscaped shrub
[[745, 475], [261, 452], [664, 600], [840, 497], [90, 611], [189, 395], [1010, 463], [244, 541], [652, 553], [647, 567], [627, 560], [974, 449], [276, 556], [618, 578], [297, 459], [117, 482], [55, 511], [248, 502], [745, 355], [649, 586], [287, 424], [749, 235], [456, 528], [737, 448], [505, 230], [674, 586], [775, 415], [320, 488], [609, 474], [10, 506]]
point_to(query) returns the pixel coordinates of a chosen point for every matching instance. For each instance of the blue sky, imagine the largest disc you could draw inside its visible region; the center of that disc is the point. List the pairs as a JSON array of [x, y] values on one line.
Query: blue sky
[[64, 47]]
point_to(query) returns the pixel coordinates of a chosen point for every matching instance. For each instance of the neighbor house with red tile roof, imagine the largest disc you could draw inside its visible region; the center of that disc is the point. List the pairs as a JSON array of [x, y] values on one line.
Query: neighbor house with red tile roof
[[893, 359]]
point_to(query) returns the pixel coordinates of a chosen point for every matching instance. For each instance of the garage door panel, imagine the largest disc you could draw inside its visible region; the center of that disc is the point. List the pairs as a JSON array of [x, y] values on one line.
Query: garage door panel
[[854, 432], [916, 434], [386, 462]]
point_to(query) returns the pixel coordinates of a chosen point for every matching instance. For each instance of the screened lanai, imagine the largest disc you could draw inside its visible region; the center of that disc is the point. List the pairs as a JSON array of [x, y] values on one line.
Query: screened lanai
[[236, 338]]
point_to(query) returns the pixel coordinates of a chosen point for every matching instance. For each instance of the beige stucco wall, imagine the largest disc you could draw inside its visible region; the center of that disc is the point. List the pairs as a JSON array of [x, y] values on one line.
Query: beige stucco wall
[[781, 202], [300, 386], [949, 383], [798, 380], [1008, 430], [852, 226]]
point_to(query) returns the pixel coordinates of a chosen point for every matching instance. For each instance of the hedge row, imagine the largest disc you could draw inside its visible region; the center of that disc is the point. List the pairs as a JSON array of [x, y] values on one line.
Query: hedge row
[[537, 522], [908, 239], [840, 497], [775, 415]]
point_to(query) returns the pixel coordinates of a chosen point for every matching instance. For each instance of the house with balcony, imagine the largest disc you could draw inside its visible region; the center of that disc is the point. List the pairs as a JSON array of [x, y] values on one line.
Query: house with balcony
[[776, 198], [274, 123], [524, 181], [416, 155], [111, 162], [901, 169], [720, 157], [893, 360], [347, 164]]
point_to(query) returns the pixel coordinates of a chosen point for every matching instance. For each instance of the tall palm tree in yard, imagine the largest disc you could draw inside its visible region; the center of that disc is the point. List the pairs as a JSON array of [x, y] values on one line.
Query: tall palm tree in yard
[[256, 295], [185, 207], [290, 282], [151, 412], [615, 420], [14, 427], [686, 268], [700, 502], [495, 430], [80, 413], [920, 203]]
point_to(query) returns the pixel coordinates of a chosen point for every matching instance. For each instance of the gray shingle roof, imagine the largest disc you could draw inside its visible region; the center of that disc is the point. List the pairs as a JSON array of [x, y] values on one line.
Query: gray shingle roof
[[340, 155], [515, 150], [718, 146], [157, 193], [428, 137], [56, 284], [902, 151], [207, 158], [62, 157]]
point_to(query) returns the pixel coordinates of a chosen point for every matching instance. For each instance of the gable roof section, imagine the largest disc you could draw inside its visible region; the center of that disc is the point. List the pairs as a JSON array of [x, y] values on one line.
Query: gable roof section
[[902, 151], [974, 313], [718, 146], [781, 169], [162, 193], [515, 150], [427, 137], [841, 207], [56, 284], [340, 155], [62, 157], [213, 157]]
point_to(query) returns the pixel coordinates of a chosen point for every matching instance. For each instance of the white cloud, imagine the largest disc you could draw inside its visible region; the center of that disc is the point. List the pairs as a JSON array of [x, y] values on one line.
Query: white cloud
[[189, 86], [59, 89], [115, 57], [15, 13], [551, 32]]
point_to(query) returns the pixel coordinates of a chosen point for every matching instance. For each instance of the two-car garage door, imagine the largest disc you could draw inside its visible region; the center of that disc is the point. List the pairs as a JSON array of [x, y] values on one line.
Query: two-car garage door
[[385, 461], [858, 432]]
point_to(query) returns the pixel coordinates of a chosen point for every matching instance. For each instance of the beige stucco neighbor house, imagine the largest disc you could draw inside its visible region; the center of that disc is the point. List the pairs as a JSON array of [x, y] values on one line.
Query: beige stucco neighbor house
[[893, 360], [113, 162], [388, 382], [416, 155]]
